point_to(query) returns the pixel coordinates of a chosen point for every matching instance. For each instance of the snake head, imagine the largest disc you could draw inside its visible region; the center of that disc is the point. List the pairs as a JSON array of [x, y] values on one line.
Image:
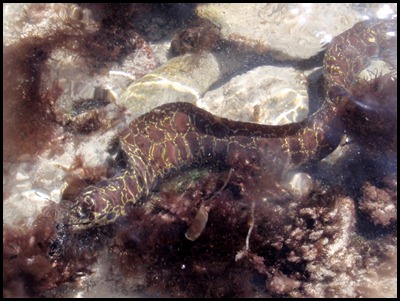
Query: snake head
[[92, 208]]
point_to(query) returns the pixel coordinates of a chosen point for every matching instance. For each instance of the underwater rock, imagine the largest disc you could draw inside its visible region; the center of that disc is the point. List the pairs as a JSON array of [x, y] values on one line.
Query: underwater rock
[[262, 95], [183, 78], [196, 39], [23, 208], [60, 81], [74, 84], [286, 31], [43, 20]]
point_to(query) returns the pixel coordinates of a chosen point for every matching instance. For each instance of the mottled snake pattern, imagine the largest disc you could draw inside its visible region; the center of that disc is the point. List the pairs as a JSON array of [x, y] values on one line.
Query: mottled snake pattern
[[177, 135]]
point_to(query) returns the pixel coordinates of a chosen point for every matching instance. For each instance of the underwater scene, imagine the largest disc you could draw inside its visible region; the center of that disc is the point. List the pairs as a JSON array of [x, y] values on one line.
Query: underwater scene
[[200, 150]]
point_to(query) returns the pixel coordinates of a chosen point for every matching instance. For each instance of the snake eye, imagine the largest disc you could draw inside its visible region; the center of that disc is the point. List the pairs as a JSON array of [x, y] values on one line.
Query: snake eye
[[80, 215]]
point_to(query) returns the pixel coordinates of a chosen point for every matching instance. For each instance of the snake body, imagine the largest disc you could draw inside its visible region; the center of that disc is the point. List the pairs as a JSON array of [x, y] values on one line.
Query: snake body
[[177, 135]]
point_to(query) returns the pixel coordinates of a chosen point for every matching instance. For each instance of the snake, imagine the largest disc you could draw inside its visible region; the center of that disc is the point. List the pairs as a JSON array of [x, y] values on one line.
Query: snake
[[179, 135]]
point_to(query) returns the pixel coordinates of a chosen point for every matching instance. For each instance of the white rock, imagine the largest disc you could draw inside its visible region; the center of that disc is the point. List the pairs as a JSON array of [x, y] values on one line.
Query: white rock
[[23, 207], [270, 95]]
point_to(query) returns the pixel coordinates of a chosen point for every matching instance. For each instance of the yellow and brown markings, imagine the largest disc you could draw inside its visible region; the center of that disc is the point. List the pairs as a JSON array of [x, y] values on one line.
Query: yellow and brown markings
[[175, 135]]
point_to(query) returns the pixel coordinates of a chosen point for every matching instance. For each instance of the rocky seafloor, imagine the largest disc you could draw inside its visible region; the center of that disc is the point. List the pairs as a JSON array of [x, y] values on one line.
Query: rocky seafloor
[[73, 78]]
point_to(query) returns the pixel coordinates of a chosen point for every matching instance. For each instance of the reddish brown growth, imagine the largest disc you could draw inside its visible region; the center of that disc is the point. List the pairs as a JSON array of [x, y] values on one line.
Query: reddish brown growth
[[36, 260]]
